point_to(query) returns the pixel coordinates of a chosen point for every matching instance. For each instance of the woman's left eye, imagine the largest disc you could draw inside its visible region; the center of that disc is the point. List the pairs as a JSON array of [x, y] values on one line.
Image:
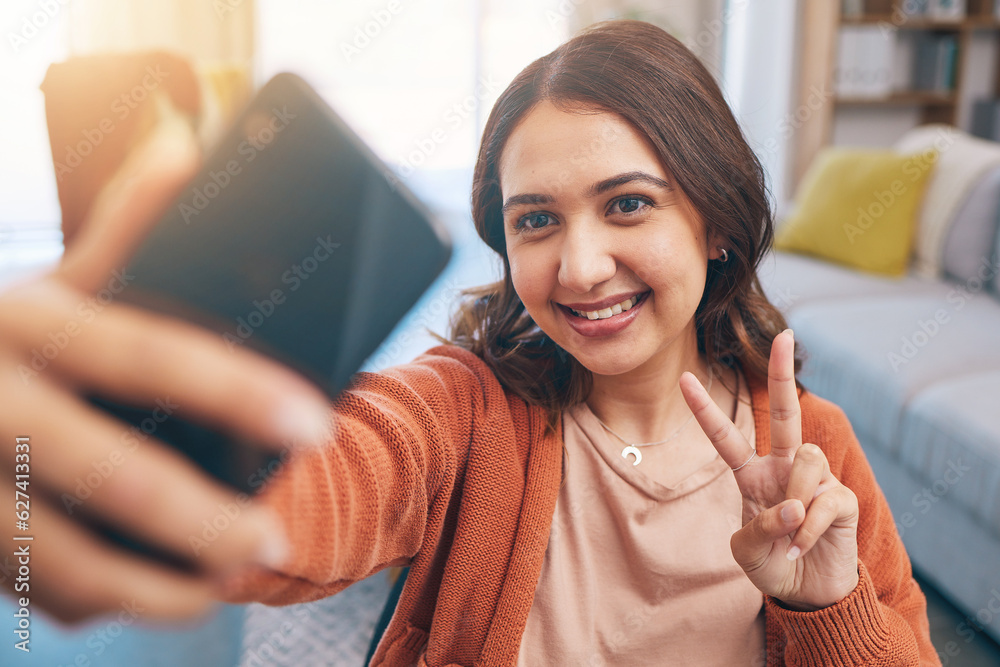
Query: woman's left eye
[[628, 205]]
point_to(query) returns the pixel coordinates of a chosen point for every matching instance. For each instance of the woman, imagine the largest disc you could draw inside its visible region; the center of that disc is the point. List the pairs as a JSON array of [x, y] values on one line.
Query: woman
[[540, 475]]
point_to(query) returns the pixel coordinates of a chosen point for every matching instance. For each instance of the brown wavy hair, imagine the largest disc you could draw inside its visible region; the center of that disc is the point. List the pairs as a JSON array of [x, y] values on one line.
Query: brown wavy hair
[[654, 82]]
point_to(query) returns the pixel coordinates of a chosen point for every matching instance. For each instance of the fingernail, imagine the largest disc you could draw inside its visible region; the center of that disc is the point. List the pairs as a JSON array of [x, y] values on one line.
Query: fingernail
[[790, 512], [790, 333], [793, 552], [303, 422], [274, 549]]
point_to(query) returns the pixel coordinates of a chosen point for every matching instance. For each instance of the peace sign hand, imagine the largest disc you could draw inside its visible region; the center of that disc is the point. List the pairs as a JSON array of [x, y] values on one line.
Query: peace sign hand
[[799, 537]]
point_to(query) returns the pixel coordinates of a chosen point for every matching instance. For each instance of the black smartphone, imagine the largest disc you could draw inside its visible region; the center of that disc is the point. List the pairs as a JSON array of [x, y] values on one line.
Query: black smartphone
[[294, 240]]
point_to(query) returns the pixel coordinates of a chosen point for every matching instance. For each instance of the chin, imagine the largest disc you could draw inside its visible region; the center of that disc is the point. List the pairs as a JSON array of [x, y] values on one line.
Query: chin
[[605, 366]]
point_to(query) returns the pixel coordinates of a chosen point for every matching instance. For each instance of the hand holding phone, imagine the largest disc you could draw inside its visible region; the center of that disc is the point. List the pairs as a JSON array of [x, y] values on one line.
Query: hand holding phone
[[130, 355]]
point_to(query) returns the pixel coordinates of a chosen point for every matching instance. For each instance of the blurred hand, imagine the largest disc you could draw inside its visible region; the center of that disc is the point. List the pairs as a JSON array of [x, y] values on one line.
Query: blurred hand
[[799, 541], [137, 357]]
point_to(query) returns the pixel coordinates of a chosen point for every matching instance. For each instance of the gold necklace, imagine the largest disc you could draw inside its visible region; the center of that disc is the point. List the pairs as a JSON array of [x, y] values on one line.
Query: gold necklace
[[633, 448]]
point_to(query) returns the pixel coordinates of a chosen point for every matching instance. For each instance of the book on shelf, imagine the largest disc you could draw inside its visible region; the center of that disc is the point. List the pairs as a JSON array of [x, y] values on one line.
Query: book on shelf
[[946, 10], [986, 119], [915, 8], [864, 62], [854, 8], [937, 10], [934, 62]]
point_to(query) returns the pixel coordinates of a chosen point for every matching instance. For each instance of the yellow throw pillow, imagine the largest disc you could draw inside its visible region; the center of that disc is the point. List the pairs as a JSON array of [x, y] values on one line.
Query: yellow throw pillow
[[859, 207]]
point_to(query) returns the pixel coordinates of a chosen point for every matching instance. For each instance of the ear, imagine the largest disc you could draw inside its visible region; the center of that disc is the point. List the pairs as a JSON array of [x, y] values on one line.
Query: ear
[[715, 245]]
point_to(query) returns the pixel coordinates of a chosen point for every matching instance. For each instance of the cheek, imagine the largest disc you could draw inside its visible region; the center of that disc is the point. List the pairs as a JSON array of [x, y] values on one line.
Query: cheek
[[524, 282], [672, 267], [528, 272]]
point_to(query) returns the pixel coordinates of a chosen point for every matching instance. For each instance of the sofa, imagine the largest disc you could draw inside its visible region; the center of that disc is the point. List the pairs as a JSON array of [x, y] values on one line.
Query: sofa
[[914, 361]]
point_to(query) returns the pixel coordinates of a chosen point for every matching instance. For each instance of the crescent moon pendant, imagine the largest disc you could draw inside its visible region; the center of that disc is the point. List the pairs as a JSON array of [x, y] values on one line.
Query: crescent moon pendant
[[632, 450]]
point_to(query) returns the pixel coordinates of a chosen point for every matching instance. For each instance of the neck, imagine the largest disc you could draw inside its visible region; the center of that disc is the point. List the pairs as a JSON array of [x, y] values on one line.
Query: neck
[[645, 404]]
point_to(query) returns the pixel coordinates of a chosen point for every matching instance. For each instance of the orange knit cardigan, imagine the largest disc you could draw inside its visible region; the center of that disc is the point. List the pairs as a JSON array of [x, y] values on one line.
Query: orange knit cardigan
[[434, 465]]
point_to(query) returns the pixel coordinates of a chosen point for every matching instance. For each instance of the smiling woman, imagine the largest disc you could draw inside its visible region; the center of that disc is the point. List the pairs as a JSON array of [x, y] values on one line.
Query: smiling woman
[[630, 216]]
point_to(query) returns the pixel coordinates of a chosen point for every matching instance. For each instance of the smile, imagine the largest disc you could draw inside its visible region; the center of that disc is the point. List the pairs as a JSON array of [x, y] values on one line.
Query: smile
[[607, 312], [606, 321]]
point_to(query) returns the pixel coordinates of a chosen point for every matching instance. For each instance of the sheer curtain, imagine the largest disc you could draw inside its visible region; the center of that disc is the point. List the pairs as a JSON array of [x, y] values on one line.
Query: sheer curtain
[[213, 31], [758, 79]]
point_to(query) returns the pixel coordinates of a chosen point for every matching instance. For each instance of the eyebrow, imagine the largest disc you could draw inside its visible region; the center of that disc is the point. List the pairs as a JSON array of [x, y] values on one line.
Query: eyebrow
[[517, 200], [596, 189], [628, 177]]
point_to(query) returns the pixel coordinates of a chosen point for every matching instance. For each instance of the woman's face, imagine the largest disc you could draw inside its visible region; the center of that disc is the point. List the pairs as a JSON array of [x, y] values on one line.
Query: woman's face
[[592, 219]]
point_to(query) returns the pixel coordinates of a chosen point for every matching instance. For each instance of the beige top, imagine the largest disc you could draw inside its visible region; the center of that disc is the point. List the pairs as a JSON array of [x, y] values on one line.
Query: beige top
[[638, 569]]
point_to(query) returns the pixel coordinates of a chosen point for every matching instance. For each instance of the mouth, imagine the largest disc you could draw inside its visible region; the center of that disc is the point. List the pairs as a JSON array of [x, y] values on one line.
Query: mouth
[[606, 321], [607, 313]]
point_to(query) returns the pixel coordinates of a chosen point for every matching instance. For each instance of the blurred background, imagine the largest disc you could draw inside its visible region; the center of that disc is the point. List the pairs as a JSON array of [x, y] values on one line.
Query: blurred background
[[82, 81]]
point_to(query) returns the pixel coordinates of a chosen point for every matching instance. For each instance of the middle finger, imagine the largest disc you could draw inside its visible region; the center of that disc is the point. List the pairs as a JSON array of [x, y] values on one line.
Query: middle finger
[[145, 488], [786, 421]]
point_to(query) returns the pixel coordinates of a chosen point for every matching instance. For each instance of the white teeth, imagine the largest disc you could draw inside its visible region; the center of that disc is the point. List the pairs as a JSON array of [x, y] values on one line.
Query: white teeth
[[605, 313]]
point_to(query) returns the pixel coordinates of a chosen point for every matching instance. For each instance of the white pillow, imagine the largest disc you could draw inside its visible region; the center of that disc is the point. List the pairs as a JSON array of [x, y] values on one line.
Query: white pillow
[[963, 160]]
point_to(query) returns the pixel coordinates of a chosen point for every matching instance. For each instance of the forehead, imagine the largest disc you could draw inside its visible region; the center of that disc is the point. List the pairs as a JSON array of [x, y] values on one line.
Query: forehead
[[551, 148]]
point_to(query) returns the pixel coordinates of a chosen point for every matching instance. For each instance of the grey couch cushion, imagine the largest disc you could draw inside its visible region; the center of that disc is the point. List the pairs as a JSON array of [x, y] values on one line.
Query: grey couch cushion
[[996, 265], [792, 281], [969, 246], [950, 436], [872, 355]]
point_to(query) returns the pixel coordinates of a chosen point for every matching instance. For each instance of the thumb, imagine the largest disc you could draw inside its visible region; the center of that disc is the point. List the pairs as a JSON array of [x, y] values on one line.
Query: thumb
[[131, 203], [752, 544]]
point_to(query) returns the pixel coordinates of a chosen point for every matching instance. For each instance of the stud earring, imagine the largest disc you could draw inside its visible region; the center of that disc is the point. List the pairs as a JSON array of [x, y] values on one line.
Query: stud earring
[[725, 256]]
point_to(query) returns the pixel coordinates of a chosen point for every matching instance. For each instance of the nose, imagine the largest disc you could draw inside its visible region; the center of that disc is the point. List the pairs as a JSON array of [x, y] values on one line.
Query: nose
[[585, 259]]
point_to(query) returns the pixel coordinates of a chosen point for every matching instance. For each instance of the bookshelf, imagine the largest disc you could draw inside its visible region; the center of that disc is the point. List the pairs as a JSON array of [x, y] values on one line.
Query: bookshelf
[[925, 54]]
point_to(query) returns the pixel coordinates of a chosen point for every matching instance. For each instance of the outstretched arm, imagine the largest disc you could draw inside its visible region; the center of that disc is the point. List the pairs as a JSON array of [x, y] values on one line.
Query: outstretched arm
[[361, 502]]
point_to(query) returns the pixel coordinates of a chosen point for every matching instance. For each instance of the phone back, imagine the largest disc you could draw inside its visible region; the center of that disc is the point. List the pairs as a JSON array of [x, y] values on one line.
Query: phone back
[[293, 240]]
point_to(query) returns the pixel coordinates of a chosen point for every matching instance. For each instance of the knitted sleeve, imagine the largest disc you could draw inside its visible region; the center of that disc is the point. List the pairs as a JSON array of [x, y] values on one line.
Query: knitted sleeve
[[884, 620], [362, 502]]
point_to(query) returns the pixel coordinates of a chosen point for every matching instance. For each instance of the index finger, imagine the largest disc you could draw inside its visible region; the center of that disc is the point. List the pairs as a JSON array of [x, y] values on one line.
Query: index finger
[[727, 439], [786, 416], [139, 357]]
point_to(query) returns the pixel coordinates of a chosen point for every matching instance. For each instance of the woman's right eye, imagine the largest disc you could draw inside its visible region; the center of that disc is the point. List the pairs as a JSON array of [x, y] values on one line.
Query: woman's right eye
[[533, 221]]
